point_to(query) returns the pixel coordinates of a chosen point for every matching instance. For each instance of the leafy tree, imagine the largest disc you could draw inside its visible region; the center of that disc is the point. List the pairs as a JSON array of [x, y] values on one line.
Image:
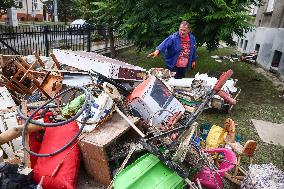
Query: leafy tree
[[67, 9], [5, 4], [148, 22], [105, 14]]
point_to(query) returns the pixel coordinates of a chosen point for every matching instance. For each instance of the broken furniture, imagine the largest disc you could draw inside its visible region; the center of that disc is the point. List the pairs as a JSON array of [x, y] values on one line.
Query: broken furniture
[[191, 91], [162, 145], [242, 151], [24, 78], [97, 151], [18, 76]]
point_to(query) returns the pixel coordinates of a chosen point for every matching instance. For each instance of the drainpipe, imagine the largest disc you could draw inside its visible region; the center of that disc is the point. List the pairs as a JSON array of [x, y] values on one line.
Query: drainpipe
[[55, 11], [27, 7]]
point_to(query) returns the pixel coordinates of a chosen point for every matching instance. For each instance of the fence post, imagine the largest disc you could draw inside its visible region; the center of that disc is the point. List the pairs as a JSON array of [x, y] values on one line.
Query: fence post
[[45, 31], [89, 41]]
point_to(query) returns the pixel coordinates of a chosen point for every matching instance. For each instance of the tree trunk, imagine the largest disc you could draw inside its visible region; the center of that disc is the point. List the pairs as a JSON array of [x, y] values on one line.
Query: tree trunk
[[111, 41]]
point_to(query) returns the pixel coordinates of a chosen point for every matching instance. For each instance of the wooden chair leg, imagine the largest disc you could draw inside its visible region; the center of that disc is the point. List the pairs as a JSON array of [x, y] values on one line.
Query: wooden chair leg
[[233, 179], [56, 62], [250, 160], [237, 167], [39, 59]]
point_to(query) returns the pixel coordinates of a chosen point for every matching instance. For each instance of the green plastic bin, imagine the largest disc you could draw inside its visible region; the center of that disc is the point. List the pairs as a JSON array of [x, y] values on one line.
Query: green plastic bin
[[148, 172]]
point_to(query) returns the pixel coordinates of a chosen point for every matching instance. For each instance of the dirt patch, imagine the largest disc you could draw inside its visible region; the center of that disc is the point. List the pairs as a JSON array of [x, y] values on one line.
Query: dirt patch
[[277, 83]]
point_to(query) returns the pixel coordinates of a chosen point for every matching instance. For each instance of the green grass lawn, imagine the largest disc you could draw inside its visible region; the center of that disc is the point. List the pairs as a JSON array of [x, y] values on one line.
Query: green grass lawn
[[257, 100]]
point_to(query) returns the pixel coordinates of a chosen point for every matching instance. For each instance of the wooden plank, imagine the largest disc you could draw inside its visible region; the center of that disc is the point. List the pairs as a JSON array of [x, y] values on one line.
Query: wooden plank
[[39, 60], [27, 140], [96, 163], [1, 60], [108, 132], [56, 62]]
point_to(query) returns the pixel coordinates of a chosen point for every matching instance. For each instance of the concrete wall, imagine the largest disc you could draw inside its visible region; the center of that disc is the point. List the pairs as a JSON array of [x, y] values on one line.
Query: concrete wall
[[272, 19], [269, 39]]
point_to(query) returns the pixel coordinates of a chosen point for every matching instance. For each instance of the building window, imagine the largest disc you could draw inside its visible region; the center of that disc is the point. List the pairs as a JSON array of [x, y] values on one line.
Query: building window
[[276, 58], [241, 44], [257, 47], [35, 4], [270, 6], [246, 44], [19, 4]]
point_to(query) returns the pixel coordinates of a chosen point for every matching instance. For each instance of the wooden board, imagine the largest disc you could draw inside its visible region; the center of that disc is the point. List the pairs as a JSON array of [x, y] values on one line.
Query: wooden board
[[108, 132]]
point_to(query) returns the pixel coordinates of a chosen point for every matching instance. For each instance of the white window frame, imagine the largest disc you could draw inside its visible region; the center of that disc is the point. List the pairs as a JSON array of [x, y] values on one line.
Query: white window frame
[[17, 2], [35, 4]]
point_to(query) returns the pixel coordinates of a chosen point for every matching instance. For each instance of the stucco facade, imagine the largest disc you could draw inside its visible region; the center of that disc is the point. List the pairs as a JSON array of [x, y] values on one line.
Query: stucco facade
[[31, 10], [268, 36]]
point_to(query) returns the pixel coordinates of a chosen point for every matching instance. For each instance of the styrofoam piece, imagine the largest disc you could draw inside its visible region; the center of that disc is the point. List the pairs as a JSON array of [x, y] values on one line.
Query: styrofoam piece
[[6, 100], [106, 66]]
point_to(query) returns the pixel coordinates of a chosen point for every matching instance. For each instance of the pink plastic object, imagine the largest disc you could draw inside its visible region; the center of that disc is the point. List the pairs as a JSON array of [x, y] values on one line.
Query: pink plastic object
[[206, 176]]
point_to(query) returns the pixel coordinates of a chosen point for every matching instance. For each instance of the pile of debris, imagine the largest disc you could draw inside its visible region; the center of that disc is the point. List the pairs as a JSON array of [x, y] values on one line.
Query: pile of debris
[[232, 58], [192, 91], [55, 108], [249, 57]]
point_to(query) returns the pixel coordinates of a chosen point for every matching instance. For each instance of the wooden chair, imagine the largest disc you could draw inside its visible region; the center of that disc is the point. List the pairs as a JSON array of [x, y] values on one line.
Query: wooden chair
[[248, 151], [23, 81]]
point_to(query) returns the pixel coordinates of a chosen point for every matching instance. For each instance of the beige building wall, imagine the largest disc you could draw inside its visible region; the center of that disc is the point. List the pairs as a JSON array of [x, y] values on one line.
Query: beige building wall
[[31, 9]]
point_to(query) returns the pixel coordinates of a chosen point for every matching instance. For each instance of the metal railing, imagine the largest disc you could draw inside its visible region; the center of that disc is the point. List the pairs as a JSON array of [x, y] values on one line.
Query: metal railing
[[24, 40]]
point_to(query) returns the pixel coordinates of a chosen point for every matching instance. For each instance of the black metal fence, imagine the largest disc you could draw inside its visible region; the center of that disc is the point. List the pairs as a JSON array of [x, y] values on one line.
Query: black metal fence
[[24, 40]]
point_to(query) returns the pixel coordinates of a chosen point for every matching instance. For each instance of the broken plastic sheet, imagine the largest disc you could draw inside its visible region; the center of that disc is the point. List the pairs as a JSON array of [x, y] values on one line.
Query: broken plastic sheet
[[228, 87]]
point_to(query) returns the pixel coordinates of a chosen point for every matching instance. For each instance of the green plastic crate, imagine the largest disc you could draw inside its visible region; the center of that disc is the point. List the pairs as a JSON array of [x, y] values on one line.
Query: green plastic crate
[[148, 172]]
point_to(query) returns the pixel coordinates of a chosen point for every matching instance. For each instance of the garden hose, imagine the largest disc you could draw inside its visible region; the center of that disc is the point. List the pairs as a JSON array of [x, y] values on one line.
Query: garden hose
[[30, 120], [86, 102]]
